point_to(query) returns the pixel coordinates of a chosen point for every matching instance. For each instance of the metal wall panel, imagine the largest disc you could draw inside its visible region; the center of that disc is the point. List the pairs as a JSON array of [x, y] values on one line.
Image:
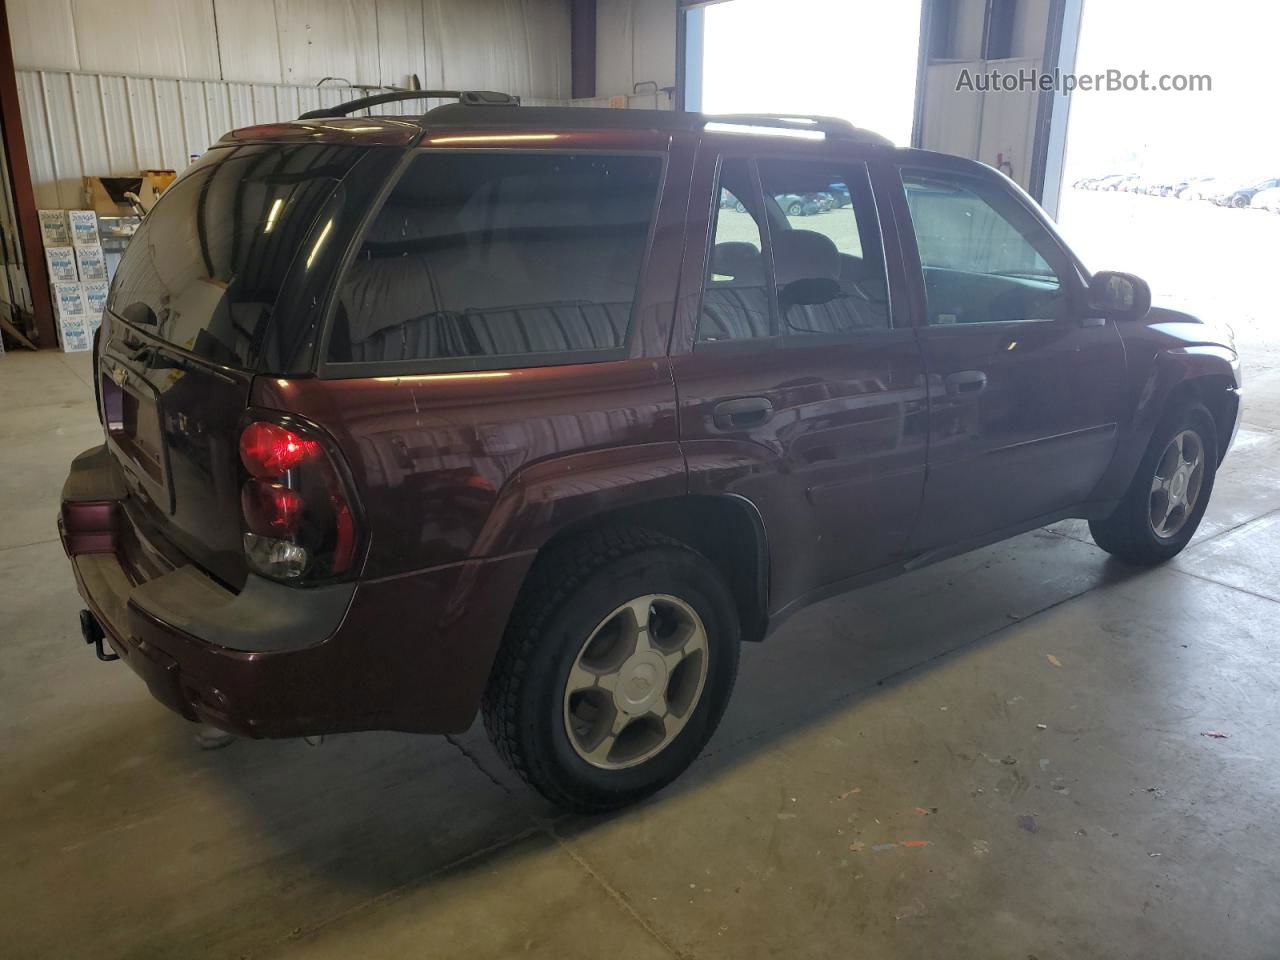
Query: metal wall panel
[[547, 29], [44, 34], [80, 124], [402, 45], [247, 40], [520, 46], [146, 37], [115, 123], [635, 44], [327, 38]]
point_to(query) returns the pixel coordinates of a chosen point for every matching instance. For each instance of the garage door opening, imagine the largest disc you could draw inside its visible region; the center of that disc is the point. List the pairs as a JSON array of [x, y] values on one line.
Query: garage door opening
[[853, 60], [1182, 186]]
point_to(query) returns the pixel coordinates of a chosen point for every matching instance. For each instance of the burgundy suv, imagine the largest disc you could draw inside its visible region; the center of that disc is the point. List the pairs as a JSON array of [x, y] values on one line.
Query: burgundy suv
[[545, 410]]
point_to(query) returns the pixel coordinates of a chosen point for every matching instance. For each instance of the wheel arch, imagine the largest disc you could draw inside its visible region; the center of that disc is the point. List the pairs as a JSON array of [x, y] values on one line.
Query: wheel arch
[[1200, 373], [725, 528]]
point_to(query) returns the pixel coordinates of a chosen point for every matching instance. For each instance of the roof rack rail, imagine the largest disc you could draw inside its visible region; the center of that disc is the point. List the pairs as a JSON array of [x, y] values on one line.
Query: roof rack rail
[[800, 124], [473, 98]]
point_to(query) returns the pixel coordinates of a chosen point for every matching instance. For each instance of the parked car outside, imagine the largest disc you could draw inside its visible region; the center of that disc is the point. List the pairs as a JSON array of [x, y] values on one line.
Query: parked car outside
[[839, 194], [824, 200], [797, 205], [1242, 196], [1101, 183], [406, 419], [1121, 183], [1268, 199]]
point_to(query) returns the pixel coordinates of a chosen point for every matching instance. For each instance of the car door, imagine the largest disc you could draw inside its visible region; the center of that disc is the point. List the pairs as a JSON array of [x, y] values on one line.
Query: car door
[[799, 388], [1025, 387]]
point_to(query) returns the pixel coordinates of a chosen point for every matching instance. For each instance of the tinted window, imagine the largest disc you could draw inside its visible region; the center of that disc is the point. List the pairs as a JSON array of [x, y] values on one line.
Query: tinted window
[[827, 254], [735, 299], [478, 255], [205, 268], [985, 258]]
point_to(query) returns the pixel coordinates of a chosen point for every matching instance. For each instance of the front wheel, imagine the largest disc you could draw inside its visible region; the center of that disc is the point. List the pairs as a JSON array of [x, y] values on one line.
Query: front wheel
[[615, 671], [1169, 494]]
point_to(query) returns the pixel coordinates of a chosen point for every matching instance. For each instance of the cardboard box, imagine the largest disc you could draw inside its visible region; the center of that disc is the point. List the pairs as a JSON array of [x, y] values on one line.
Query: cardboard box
[[75, 334], [68, 299], [84, 228], [62, 264], [90, 263], [54, 229], [95, 296]]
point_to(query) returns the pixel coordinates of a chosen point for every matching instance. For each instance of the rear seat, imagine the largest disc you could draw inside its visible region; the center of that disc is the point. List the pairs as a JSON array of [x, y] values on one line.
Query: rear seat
[[737, 306], [807, 254], [400, 294]]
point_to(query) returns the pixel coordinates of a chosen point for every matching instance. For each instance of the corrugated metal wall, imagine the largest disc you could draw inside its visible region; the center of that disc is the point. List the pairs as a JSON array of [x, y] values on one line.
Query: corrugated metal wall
[[80, 124], [520, 46], [111, 87]]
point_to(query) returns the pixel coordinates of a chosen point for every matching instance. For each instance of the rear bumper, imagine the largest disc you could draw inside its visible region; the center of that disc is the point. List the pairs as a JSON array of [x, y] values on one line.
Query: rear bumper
[[411, 652]]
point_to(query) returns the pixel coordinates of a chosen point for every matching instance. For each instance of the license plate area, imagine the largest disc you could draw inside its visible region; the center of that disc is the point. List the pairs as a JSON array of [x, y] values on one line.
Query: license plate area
[[131, 412]]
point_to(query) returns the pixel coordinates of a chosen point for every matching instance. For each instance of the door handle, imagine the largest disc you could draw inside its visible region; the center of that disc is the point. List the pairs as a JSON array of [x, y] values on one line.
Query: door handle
[[743, 413], [965, 382]]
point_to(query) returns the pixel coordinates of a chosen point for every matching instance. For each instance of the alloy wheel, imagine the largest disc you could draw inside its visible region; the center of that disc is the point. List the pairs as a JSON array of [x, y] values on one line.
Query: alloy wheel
[[1175, 488], [636, 681]]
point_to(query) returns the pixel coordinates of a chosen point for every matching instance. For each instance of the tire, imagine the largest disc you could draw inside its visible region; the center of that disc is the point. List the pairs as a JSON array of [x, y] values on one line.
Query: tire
[[1129, 533], [1240, 202], [795, 210], [575, 597]]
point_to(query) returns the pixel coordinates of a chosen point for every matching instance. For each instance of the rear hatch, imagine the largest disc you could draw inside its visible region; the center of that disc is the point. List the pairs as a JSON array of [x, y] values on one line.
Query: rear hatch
[[206, 296]]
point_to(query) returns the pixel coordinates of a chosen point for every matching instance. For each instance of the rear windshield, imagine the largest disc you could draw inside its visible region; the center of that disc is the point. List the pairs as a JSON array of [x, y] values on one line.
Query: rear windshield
[[205, 269], [488, 259]]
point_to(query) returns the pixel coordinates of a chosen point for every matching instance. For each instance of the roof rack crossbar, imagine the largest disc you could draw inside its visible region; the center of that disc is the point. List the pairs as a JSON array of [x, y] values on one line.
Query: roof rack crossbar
[[474, 98]]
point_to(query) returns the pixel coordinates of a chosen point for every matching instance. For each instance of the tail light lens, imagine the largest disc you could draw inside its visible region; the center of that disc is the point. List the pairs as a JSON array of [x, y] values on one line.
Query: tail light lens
[[299, 524]]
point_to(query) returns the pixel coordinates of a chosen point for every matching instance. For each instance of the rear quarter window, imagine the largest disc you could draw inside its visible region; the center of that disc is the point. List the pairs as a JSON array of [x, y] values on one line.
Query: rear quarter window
[[206, 267], [499, 259]]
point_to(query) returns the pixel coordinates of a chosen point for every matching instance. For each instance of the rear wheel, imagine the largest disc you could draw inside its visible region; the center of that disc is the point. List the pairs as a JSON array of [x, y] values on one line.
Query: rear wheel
[[615, 671], [795, 210], [1164, 505]]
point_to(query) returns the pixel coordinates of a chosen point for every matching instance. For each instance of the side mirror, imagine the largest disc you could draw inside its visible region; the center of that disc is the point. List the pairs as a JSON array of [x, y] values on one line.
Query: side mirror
[[1119, 296], [808, 291]]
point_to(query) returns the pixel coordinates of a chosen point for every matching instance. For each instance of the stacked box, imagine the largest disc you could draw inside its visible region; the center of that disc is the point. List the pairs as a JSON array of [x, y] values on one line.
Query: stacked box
[[90, 263], [68, 299], [76, 322], [77, 274], [62, 264], [95, 296], [74, 334], [84, 228], [55, 229]]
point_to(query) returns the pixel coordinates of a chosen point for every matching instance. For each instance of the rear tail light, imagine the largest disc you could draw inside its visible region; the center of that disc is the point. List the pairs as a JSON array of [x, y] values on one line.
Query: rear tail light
[[299, 524]]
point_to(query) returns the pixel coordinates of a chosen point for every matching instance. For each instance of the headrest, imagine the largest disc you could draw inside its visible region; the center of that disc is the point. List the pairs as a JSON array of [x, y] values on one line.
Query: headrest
[[739, 260], [804, 254]]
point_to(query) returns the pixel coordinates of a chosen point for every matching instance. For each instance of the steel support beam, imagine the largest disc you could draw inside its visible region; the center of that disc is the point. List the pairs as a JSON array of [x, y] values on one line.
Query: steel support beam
[[24, 199], [1049, 152], [582, 48]]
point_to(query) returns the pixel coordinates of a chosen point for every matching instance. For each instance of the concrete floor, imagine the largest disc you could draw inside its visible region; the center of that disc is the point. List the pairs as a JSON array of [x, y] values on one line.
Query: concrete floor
[[1003, 756]]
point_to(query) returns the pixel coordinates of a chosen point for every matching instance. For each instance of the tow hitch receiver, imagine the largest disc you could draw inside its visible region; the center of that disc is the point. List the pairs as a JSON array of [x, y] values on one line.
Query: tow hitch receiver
[[93, 635]]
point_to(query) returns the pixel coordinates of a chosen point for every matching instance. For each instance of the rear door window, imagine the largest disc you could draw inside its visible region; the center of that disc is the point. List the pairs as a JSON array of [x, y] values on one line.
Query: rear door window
[[206, 266], [828, 262], [500, 259]]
